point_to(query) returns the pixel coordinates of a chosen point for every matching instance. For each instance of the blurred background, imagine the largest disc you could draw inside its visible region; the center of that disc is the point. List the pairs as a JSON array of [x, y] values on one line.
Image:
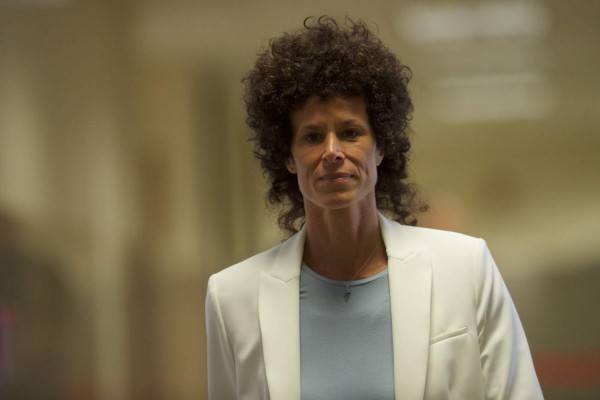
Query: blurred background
[[126, 177]]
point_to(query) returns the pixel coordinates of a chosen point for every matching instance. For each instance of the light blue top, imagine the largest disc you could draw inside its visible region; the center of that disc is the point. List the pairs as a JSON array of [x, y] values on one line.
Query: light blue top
[[345, 347]]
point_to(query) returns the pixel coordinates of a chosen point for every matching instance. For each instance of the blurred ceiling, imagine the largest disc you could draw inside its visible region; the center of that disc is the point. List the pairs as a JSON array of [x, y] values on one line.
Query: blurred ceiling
[[506, 93]]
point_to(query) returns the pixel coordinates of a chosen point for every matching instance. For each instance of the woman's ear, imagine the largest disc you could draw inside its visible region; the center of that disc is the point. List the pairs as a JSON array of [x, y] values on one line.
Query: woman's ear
[[379, 156], [290, 165]]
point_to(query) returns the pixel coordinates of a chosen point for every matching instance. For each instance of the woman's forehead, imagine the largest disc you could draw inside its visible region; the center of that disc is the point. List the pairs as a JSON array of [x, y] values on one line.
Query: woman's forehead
[[318, 110]]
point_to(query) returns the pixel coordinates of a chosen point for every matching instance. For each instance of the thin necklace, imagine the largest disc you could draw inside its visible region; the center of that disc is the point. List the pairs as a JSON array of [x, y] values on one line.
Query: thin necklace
[[347, 287]]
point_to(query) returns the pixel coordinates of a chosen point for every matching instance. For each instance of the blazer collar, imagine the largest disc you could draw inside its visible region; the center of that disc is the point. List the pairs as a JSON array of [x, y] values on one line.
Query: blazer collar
[[400, 241], [409, 268], [288, 261], [409, 271], [279, 316]]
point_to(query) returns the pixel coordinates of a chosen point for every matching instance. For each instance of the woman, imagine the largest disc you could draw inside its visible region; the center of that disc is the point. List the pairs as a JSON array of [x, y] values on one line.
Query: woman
[[358, 303]]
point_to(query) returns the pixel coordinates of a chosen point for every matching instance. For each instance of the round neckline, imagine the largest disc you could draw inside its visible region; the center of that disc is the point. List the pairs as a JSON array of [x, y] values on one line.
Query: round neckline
[[357, 282]]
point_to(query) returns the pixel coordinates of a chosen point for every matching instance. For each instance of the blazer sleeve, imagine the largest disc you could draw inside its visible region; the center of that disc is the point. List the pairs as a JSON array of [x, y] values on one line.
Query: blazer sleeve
[[221, 362], [506, 362]]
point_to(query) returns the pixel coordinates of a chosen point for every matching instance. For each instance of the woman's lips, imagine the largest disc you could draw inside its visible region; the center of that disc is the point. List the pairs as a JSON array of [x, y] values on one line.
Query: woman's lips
[[337, 176]]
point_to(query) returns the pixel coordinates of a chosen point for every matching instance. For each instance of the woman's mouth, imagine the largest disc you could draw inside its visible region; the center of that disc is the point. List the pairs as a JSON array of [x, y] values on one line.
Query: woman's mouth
[[336, 176]]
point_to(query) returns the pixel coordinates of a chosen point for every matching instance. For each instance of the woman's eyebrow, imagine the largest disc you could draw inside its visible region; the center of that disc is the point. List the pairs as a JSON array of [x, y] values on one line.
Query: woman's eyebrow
[[351, 122], [310, 127]]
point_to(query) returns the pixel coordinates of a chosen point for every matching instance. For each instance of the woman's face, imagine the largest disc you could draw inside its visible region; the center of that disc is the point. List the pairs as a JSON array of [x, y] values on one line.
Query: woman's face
[[334, 153]]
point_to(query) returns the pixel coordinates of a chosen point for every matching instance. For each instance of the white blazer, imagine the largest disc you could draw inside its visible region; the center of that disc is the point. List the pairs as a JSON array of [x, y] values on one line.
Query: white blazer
[[456, 333]]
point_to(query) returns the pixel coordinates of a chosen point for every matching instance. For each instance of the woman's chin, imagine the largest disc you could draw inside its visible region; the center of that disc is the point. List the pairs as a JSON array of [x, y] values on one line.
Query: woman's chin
[[340, 200]]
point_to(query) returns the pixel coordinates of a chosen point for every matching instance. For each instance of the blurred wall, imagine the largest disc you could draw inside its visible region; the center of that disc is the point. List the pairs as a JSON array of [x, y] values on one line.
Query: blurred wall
[[126, 177]]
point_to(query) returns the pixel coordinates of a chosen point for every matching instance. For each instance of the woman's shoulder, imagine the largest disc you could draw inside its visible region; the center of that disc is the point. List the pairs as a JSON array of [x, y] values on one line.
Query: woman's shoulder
[[282, 261], [449, 247], [423, 230], [454, 257], [410, 238], [237, 284], [250, 267], [439, 236]]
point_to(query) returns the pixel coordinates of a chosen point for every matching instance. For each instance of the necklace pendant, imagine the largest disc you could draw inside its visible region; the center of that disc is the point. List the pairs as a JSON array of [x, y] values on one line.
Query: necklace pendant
[[347, 293]]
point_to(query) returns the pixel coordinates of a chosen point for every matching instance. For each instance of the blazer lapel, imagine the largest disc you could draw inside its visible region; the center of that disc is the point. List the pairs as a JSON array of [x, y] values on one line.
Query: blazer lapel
[[409, 269], [279, 315]]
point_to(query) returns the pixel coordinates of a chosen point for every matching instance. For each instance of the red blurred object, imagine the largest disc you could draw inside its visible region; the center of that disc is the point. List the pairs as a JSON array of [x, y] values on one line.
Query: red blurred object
[[568, 369], [6, 325]]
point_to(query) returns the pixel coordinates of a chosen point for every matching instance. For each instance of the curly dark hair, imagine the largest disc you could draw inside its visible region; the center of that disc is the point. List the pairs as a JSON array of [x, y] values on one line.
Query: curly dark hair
[[327, 60]]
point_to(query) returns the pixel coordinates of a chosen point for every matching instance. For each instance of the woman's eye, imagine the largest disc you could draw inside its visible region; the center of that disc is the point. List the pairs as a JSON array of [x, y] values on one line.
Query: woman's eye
[[351, 134], [312, 137]]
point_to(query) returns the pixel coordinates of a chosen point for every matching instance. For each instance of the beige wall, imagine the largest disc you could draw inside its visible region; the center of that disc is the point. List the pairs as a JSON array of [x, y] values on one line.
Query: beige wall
[[126, 178]]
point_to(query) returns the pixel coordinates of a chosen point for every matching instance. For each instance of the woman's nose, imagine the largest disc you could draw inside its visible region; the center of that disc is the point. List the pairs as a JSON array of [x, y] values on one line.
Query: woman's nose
[[333, 149]]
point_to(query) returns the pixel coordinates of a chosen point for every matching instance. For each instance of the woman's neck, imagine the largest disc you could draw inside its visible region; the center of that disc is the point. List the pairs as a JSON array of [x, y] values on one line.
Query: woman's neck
[[344, 244]]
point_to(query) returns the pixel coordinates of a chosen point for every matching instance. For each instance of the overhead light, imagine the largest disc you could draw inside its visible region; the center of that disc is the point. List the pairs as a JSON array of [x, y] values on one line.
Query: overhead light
[[427, 23], [492, 80], [493, 98], [33, 3]]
